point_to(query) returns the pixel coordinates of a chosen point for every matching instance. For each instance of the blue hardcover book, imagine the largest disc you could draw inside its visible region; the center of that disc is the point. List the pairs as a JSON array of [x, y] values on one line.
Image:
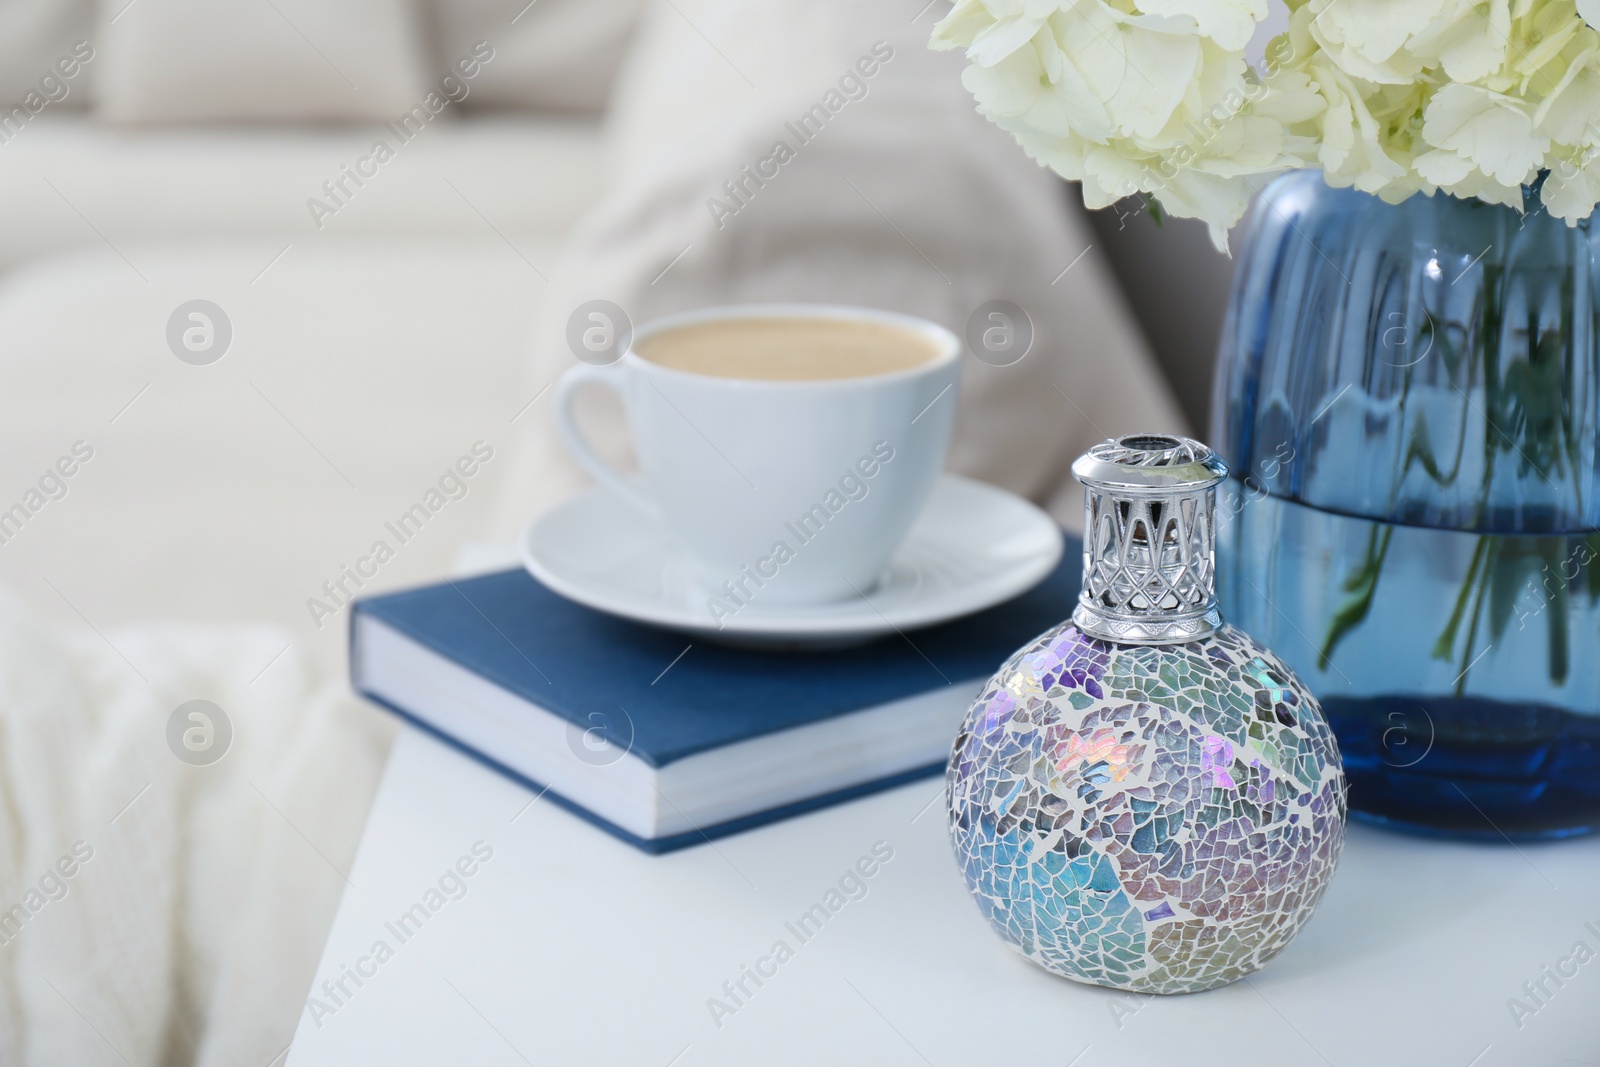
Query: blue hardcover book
[[667, 741]]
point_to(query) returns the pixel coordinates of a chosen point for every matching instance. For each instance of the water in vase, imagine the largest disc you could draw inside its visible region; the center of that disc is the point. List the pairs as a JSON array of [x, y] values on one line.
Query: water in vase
[[1460, 670]]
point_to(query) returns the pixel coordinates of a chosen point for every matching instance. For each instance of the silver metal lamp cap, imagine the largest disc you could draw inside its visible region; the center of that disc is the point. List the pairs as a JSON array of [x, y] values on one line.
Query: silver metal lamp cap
[[1149, 540]]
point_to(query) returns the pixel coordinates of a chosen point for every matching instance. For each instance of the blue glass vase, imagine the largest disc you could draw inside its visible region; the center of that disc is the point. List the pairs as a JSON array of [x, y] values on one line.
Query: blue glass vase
[[1408, 397]]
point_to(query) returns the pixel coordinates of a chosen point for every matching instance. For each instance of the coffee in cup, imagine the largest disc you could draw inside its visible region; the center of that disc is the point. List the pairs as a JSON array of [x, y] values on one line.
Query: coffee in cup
[[794, 349]]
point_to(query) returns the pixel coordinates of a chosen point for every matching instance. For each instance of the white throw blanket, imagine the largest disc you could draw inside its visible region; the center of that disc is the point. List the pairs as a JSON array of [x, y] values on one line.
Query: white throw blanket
[[153, 911]]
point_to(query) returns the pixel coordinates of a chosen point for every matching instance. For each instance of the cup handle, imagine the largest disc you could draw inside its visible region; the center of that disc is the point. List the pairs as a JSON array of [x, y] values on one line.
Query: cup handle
[[567, 388]]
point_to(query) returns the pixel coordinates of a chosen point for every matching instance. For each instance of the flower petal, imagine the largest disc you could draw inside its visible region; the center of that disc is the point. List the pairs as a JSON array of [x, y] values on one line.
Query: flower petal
[[1494, 131]]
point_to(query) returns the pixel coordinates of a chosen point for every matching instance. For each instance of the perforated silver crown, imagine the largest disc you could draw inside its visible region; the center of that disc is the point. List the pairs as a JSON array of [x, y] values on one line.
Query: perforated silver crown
[[1149, 540]]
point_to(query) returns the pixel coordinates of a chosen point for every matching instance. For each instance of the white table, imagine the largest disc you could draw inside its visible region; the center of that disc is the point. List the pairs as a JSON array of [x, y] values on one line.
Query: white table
[[569, 947]]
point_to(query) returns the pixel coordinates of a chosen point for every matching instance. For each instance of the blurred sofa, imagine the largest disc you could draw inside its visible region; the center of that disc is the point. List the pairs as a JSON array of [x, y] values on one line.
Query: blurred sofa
[[376, 315], [521, 138], [180, 156], [138, 144], [376, 321]]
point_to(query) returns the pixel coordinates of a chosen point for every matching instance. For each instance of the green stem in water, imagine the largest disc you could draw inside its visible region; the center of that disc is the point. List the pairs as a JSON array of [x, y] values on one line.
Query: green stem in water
[[1445, 646], [1489, 553], [1560, 658], [1526, 409], [1361, 585]]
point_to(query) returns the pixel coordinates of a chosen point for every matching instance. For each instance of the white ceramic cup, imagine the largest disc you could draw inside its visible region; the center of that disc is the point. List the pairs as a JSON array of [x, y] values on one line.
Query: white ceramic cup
[[789, 492]]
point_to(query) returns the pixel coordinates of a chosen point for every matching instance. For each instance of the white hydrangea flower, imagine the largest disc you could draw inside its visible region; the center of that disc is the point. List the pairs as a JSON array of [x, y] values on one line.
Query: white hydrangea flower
[[1483, 132], [1392, 97], [1366, 38], [1573, 187], [1230, 23], [1570, 114], [1351, 151], [1468, 40]]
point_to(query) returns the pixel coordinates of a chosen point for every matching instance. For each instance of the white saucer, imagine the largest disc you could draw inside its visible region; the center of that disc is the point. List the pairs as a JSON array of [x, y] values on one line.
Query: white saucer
[[974, 546]]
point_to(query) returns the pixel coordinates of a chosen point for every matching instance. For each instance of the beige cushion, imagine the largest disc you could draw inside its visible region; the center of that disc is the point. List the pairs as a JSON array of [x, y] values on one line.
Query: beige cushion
[[553, 55], [907, 199], [34, 35], [205, 60]]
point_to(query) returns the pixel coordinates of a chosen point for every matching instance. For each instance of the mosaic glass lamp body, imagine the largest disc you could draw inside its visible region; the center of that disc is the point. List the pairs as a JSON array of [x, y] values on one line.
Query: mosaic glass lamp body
[[1144, 798]]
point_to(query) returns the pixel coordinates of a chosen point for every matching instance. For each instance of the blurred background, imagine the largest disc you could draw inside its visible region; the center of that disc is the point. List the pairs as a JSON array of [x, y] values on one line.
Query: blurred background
[[268, 268], [388, 202]]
